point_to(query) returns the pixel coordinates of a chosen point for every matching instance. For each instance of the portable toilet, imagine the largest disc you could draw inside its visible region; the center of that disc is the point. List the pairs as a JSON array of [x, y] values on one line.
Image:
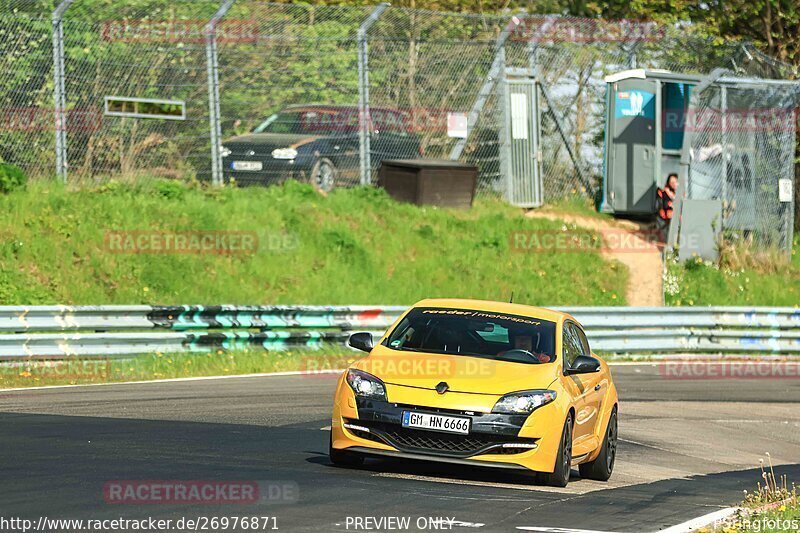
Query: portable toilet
[[645, 121]]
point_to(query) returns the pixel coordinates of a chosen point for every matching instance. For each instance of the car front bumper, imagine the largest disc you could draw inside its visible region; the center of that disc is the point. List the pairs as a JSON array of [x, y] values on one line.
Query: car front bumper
[[273, 171], [496, 440]]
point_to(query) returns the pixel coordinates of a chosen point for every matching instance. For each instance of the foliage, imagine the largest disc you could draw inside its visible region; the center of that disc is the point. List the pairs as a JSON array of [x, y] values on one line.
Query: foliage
[[740, 280], [772, 507], [11, 178]]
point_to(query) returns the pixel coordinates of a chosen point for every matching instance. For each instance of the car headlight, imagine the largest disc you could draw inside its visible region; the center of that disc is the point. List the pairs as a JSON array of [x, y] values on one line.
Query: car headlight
[[366, 385], [284, 153], [224, 151], [524, 402]]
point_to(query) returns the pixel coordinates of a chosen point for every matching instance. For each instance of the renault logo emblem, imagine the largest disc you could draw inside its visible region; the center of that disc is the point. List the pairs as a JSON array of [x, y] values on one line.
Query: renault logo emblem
[[442, 387]]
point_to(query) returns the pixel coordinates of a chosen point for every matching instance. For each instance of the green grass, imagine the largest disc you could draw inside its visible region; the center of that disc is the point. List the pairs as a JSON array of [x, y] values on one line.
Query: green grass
[[772, 507], [355, 246], [700, 283], [146, 367], [176, 365]]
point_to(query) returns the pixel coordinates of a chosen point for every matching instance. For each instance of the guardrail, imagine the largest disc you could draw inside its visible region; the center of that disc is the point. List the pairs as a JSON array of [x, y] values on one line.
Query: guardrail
[[62, 331]]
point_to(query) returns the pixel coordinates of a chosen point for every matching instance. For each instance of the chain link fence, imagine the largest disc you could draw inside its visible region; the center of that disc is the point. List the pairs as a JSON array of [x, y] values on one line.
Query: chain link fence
[[255, 92], [741, 152]]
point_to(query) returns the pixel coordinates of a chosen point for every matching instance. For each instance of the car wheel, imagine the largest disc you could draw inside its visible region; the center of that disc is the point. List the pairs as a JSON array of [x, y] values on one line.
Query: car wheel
[[600, 469], [324, 174], [343, 457], [560, 475]]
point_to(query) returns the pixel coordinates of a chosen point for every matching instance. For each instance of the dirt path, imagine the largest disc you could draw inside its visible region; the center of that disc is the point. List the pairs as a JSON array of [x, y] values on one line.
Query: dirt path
[[627, 243]]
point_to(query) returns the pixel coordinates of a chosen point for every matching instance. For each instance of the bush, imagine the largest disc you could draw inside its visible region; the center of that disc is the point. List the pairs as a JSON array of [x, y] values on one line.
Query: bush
[[171, 190], [11, 178]]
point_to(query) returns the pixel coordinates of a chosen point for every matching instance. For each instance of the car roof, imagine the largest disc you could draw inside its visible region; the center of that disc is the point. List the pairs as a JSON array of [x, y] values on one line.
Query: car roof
[[496, 307]]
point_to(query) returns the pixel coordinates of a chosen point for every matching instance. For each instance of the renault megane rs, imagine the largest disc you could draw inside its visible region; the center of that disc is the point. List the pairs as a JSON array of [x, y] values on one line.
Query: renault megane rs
[[479, 383]]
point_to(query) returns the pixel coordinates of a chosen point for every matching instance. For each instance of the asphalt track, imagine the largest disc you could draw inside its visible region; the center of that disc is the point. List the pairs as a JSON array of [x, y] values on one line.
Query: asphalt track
[[688, 448]]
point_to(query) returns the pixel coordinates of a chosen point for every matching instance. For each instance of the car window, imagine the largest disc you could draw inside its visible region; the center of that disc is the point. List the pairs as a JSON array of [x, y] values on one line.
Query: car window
[[572, 345], [498, 334]]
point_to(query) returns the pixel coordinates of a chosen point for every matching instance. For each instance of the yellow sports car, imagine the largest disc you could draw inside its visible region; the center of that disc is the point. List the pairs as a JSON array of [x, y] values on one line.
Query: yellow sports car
[[479, 383]]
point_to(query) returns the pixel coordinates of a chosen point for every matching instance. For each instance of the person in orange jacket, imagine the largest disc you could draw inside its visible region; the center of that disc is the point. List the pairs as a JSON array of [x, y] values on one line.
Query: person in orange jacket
[[665, 198]]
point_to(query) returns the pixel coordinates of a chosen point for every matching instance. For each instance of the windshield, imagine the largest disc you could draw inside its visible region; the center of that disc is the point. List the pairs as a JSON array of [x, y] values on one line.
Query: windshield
[[469, 332]]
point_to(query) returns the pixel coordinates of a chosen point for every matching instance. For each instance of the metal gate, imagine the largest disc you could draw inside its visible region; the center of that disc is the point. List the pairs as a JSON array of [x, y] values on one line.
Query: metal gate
[[522, 155]]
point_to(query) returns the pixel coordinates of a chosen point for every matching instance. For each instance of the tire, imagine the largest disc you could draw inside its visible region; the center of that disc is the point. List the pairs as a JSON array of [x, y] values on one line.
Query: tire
[[600, 469], [560, 475], [324, 175], [343, 457]]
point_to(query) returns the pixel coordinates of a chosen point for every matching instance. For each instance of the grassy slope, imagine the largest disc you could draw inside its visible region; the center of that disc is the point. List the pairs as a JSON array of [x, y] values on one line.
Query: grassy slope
[[702, 284], [355, 246]]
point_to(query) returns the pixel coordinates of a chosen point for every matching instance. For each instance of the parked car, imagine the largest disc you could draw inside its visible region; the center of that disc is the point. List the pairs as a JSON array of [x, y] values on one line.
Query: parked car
[[316, 143], [483, 384]]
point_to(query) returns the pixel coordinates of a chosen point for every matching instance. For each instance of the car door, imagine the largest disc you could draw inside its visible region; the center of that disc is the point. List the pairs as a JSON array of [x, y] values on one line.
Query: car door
[[580, 386], [594, 384], [345, 145]]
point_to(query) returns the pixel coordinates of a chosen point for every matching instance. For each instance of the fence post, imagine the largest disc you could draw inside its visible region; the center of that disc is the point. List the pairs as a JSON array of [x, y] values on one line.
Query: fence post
[[365, 158], [505, 127], [724, 138], [486, 90], [212, 70], [59, 89]]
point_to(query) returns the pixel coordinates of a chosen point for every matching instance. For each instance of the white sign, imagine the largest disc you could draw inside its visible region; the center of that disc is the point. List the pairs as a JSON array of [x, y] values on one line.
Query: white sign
[[519, 116], [785, 190], [457, 125]]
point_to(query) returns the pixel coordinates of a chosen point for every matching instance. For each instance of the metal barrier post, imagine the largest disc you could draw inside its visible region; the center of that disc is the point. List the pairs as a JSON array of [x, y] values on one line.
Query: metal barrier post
[[212, 70], [59, 89], [488, 85], [364, 122]]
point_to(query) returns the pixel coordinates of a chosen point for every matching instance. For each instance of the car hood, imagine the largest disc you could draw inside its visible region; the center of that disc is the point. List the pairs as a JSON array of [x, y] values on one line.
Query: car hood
[[468, 374], [270, 140]]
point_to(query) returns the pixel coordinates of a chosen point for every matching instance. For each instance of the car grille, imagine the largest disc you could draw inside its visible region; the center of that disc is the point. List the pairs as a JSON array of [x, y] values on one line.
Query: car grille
[[416, 440]]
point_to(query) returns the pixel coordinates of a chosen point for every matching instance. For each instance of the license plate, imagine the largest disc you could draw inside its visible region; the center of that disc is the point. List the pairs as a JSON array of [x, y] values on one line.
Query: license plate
[[449, 424], [247, 165]]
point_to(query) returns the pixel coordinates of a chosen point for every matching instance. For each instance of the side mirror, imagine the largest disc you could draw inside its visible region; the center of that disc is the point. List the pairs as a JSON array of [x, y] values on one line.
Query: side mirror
[[361, 341], [584, 364]]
